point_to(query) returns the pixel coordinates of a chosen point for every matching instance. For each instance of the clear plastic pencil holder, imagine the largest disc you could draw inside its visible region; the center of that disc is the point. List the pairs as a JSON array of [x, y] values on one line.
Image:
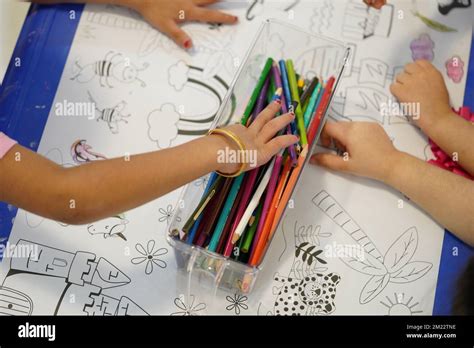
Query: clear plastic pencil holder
[[313, 56]]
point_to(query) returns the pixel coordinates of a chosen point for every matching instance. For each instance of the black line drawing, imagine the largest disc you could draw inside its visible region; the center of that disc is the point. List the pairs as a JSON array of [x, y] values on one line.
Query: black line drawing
[[167, 214], [81, 152], [114, 66], [237, 303], [76, 280], [396, 266], [400, 306], [88, 31], [116, 17], [257, 8], [446, 6], [373, 71], [166, 123], [321, 19], [306, 290], [365, 102], [114, 226], [112, 116], [13, 302], [319, 61], [362, 22], [312, 295], [187, 306], [151, 256]]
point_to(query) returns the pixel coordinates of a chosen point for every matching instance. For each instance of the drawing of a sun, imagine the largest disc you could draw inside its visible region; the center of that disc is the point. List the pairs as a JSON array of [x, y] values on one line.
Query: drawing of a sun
[[399, 307]]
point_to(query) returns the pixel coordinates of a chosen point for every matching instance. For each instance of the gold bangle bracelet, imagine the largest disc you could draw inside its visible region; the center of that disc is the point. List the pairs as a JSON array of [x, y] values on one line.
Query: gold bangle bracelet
[[232, 136]]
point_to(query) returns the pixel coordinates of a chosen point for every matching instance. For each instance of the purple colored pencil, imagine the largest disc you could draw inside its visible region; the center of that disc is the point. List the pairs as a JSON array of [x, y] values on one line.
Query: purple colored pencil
[[261, 99], [284, 108]]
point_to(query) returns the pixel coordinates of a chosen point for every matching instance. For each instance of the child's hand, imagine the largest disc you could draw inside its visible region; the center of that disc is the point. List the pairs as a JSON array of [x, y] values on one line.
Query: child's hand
[[165, 15], [376, 3], [259, 138], [422, 83], [368, 149]]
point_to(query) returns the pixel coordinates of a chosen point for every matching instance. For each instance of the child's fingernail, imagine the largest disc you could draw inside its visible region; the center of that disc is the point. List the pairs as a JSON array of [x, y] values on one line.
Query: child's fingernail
[[235, 18], [278, 101], [187, 43]]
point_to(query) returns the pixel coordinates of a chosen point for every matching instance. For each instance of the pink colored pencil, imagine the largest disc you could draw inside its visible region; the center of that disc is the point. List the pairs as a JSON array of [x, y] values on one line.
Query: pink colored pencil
[[269, 196]]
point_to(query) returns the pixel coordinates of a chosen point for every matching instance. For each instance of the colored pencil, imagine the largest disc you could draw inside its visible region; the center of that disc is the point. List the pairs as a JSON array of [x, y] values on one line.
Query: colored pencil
[[257, 90], [309, 90], [219, 199], [249, 236], [311, 106], [263, 241], [274, 204], [225, 213], [295, 96], [228, 225], [313, 129], [286, 91], [210, 182], [261, 98], [202, 204], [269, 194], [284, 107], [250, 208]]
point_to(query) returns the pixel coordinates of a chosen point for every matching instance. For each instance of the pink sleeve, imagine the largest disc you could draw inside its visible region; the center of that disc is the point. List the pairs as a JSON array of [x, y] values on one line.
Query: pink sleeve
[[5, 144]]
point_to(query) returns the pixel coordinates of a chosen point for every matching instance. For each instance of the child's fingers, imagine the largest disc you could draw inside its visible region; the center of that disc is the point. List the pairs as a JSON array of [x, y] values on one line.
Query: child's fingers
[[274, 126], [403, 78], [266, 115], [178, 35], [336, 130], [275, 145], [211, 16], [412, 68], [329, 161]]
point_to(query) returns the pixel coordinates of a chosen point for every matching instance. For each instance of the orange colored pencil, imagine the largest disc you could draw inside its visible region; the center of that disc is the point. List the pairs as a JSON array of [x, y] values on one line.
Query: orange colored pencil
[[262, 243], [273, 207]]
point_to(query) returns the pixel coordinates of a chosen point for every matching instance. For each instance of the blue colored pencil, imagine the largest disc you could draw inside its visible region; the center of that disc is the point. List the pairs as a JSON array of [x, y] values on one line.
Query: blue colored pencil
[[191, 235]]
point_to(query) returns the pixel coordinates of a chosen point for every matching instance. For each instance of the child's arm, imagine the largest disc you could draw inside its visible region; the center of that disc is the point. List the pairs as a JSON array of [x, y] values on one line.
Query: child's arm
[[101, 189], [165, 15], [421, 83], [448, 198]]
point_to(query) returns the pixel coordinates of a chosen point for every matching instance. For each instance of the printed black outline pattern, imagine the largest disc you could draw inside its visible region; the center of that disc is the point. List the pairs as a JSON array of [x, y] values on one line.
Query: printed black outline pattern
[[396, 266], [114, 66], [70, 273], [150, 256], [405, 306]]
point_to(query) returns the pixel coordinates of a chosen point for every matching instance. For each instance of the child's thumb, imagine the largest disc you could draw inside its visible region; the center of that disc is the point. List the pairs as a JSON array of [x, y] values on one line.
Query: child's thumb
[[329, 161]]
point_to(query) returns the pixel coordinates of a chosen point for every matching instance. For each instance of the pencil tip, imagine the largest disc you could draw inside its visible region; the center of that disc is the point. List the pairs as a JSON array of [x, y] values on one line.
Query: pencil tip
[[279, 91]]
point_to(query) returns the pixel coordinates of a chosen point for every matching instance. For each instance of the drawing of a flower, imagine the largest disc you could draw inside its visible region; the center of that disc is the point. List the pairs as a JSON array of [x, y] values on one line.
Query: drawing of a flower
[[187, 308], [150, 256], [236, 303], [167, 214]]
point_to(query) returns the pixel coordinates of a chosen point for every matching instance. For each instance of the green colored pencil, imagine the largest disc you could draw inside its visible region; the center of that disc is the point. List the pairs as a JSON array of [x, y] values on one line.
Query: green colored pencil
[[256, 91], [296, 97], [251, 231]]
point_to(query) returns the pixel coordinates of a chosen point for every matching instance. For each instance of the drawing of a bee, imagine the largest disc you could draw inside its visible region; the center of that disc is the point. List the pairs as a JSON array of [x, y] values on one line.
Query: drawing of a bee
[[114, 66], [112, 116]]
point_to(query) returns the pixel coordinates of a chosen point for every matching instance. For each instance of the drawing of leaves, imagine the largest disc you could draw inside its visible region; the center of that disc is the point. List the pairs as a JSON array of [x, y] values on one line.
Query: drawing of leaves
[[307, 255], [373, 287], [410, 272], [401, 251], [367, 264]]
